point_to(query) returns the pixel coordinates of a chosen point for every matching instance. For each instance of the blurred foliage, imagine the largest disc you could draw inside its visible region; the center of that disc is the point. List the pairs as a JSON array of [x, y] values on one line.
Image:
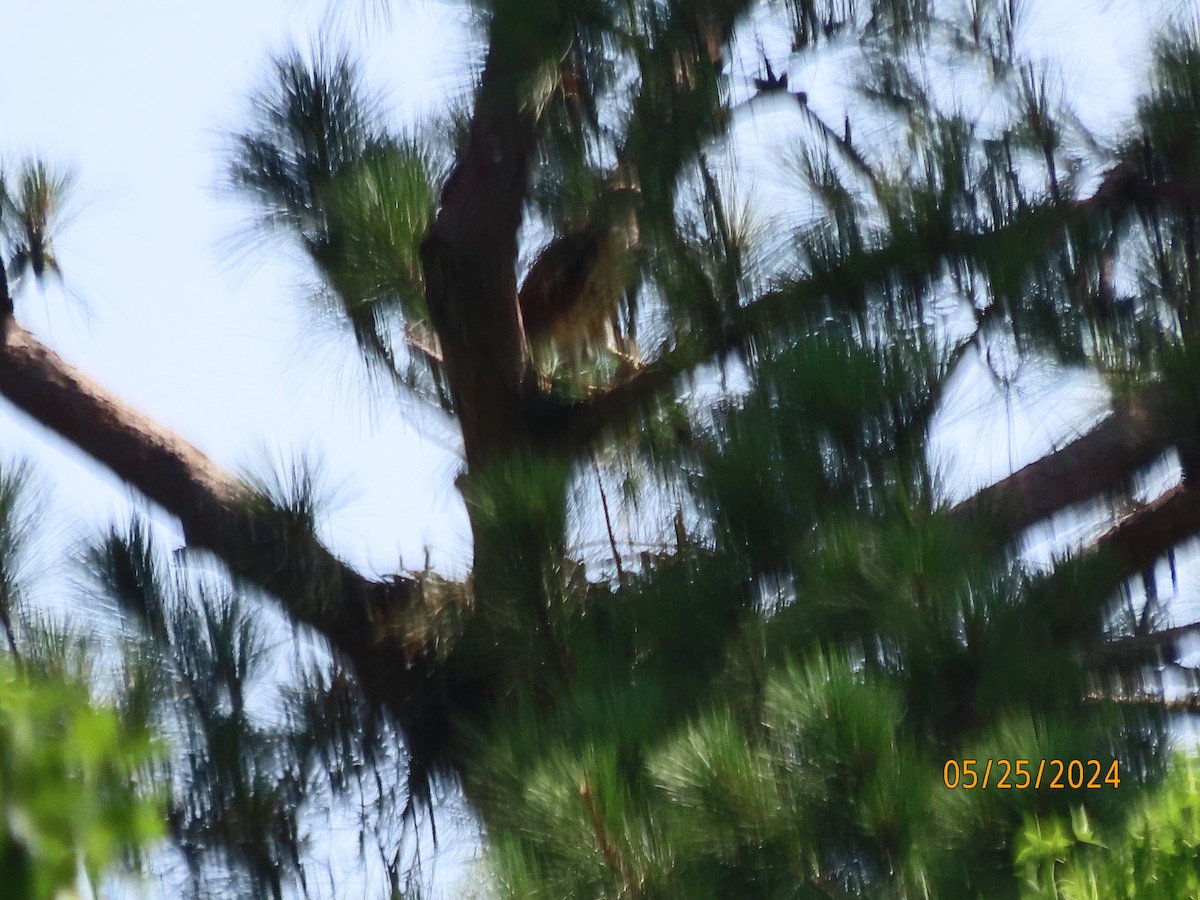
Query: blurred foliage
[[1150, 854], [320, 166], [77, 797], [31, 208], [70, 796], [70, 799]]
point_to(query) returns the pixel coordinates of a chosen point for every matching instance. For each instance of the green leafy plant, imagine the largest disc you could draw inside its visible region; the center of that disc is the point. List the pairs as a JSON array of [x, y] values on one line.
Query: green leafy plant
[[71, 802]]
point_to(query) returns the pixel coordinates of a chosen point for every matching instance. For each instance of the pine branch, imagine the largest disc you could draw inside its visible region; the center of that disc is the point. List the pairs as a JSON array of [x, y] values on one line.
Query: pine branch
[[1189, 703], [1133, 436], [677, 110], [577, 425], [1126, 550], [1144, 536], [633, 886], [256, 543], [1142, 647]]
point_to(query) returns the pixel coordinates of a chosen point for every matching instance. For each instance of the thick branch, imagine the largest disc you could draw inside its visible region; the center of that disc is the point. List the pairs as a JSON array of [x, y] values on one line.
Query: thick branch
[[575, 426], [1128, 549], [214, 509], [1137, 648], [1144, 536], [1134, 435]]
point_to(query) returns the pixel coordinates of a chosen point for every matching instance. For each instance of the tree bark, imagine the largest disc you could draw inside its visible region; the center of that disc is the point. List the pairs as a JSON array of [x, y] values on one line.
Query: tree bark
[[470, 255]]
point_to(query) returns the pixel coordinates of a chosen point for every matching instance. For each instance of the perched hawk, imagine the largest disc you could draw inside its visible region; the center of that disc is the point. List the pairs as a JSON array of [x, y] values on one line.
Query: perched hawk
[[572, 295]]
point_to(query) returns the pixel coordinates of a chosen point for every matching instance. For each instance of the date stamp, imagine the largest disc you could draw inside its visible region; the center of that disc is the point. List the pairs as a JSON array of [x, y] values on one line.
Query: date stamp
[[1023, 774]]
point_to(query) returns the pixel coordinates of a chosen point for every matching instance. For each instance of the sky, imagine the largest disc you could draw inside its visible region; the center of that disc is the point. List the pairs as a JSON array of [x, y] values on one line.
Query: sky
[[169, 303]]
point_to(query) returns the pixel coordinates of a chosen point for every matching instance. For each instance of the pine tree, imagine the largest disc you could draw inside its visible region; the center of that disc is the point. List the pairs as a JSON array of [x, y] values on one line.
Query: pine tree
[[774, 700]]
